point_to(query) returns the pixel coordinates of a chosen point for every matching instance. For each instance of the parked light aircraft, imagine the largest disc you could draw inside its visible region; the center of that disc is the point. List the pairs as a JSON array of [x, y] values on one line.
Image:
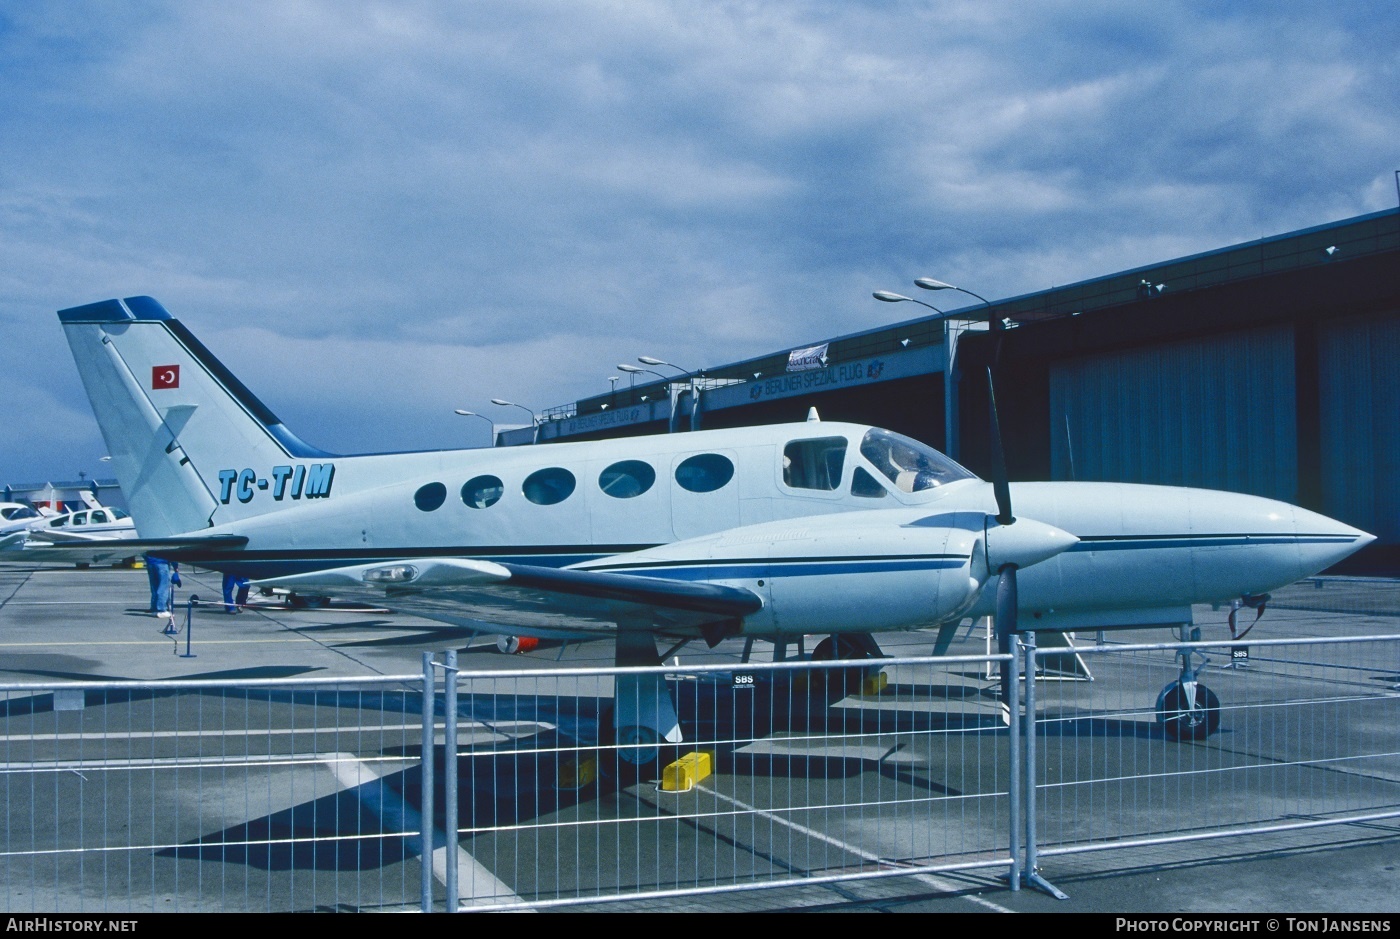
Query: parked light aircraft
[[17, 515], [28, 529], [774, 531]]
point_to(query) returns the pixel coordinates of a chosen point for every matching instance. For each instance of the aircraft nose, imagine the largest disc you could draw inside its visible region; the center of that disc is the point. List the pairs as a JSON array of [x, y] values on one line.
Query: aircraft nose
[[1323, 541]]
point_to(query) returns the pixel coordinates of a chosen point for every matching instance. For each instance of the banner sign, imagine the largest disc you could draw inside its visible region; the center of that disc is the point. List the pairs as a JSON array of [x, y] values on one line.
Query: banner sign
[[877, 368], [602, 420], [802, 360]]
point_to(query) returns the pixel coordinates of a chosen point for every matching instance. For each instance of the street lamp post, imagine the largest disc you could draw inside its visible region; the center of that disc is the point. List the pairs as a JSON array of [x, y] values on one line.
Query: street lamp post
[[994, 326], [488, 420], [888, 296], [692, 377], [633, 370], [534, 421]]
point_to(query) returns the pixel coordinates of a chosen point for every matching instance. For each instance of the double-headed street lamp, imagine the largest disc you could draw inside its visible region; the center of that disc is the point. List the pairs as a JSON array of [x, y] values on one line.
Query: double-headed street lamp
[[649, 360], [488, 420], [534, 421], [502, 402], [888, 296], [928, 283], [950, 388], [634, 371], [690, 377]]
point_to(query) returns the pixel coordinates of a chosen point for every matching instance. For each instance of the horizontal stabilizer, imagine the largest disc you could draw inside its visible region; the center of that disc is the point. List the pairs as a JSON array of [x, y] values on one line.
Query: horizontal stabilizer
[[91, 551]]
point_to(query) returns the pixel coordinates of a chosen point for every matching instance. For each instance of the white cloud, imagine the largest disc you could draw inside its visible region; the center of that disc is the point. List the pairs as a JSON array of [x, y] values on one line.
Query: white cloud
[[535, 190]]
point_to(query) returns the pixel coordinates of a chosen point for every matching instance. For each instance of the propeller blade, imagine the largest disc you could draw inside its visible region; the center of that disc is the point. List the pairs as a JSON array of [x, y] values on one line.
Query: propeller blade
[[1000, 484], [1006, 624]]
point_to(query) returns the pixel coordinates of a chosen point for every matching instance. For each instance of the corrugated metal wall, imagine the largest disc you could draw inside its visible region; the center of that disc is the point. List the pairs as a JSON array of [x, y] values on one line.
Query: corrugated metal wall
[[1218, 413], [1359, 366]]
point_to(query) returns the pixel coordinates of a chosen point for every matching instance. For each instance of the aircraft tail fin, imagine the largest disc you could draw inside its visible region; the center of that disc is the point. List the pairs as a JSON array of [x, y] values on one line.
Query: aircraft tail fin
[[189, 443]]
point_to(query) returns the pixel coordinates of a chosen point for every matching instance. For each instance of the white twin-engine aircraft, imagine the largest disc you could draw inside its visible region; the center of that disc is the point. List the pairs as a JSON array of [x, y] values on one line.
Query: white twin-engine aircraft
[[773, 532]]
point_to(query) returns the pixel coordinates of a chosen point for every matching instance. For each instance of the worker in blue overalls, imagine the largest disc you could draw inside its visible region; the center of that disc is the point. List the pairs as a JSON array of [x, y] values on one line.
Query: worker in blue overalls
[[163, 575], [235, 593]]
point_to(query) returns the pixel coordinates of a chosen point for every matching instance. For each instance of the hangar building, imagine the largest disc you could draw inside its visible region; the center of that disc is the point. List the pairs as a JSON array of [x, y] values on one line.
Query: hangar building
[[1270, 367]]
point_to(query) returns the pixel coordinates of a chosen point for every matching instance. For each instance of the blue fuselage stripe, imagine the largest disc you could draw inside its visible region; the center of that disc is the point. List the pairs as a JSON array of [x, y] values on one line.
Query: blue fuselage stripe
[[785, 567], [1158, 542]]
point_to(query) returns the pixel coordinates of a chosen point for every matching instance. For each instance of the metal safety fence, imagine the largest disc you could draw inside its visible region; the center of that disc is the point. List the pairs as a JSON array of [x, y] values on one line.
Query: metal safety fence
[[307, 794], [211, 795], [1287, 735]]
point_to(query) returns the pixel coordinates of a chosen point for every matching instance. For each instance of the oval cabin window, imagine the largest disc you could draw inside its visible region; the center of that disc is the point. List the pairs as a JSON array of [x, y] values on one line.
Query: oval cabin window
[[627, 479], [549, 486], [704, 472], [430, 497], [482, 492]]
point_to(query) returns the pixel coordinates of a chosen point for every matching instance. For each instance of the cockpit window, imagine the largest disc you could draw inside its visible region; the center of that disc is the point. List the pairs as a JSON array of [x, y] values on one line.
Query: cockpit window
[[867, 486], [814, 464], [910, 465], [118, 514]]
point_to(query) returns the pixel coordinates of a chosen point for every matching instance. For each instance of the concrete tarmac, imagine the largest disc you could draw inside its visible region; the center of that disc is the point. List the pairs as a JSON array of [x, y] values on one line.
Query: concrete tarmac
[[64, 625]]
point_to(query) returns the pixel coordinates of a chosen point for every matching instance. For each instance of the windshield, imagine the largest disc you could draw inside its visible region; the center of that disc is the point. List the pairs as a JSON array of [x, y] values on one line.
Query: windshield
[[910, 465]]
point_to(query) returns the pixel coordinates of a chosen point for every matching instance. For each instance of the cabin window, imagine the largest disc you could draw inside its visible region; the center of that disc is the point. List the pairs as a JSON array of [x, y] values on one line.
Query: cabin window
[[910, 465], [482, 492], [98, 517], [80, 519], [814, 464], [866, 486], [549, 486], [627, 479], [429, 498], [704, 472]]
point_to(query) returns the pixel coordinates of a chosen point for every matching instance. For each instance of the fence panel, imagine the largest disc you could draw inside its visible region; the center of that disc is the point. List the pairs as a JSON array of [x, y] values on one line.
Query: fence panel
[[291, 795], [1306, 737], [228, 796], [808, 773]]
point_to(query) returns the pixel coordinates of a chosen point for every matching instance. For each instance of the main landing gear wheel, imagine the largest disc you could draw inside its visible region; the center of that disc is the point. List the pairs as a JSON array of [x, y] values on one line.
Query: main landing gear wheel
[[1180, 720], [629, 754], [840, 648]]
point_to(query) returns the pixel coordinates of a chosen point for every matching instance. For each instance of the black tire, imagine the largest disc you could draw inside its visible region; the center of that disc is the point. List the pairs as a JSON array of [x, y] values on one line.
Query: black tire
[[629, 764], [838, 682], [1181, 722], [837, 647]]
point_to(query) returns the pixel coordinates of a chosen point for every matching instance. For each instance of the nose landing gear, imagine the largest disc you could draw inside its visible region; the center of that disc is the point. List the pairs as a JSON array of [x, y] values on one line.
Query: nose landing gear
[[1187, 709]]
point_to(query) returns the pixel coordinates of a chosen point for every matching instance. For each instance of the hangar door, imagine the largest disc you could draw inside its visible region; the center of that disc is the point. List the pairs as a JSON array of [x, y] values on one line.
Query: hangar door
[[1217, 412], [1359, 378]]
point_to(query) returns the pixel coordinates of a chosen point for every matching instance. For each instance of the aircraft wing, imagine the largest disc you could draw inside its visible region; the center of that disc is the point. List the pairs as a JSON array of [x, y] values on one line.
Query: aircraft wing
[[537, 598]]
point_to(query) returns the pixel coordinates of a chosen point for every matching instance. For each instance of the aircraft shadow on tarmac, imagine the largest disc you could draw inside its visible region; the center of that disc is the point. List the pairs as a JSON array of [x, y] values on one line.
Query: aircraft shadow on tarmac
[[516, 780]]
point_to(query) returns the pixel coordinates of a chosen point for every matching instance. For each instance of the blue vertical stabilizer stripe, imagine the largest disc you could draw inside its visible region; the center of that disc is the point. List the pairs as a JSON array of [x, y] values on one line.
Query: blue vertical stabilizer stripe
[[261, 412], [147, 308], [106, 311]]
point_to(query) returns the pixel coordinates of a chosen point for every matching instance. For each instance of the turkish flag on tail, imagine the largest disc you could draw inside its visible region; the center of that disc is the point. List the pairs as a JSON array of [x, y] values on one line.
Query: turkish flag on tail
[[165, 376]]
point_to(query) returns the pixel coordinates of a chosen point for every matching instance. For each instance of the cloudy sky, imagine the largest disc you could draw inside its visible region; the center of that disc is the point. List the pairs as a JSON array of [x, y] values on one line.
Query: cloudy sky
[[377, 212]]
